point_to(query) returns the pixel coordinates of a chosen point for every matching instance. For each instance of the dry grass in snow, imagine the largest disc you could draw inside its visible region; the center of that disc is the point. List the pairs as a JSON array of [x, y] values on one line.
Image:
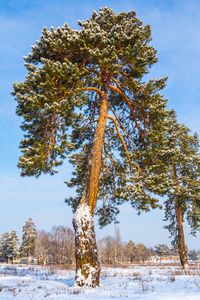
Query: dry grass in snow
[[133, 282]]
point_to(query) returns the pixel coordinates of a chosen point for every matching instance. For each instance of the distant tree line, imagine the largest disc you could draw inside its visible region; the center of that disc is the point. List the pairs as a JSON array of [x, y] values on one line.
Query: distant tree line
[[112, 250], [9, 243], [54, 247], [58, 247]]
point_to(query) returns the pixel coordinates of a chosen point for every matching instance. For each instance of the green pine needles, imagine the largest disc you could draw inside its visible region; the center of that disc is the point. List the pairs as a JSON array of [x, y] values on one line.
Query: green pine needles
[[60, 103], [85, 98]]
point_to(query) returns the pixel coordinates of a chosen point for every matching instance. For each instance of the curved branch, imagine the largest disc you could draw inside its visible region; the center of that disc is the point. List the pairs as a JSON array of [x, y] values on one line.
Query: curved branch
[[124, 145], [129, 105], [118, 85], [139, 87], [122, 126], [95, 90]]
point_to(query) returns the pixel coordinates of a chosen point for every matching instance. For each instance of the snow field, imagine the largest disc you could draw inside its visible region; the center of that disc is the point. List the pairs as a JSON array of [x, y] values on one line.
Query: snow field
[[133, 282]]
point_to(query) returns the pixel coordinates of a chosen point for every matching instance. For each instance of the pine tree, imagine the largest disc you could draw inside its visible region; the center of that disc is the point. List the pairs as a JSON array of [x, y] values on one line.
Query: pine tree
[[84, 96], [5, 246], [130, 250], [29, 239], [162, 250], [184, 188], [13, 248], [141, 252], [193, 255], [173, 171]]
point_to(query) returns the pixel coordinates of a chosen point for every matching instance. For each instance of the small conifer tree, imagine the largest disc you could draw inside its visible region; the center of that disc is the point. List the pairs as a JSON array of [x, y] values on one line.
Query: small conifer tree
[[130, 250], [5, 246], [29, 239], [13, 248]]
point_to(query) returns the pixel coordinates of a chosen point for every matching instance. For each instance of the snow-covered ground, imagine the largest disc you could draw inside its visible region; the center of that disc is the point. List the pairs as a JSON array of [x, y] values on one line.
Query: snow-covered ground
[[133, 282]]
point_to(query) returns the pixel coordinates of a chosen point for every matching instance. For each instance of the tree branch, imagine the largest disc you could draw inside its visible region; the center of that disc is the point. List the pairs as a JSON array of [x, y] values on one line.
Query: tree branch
[[124, 145], [139, 87], [129, 105], [122, 126]]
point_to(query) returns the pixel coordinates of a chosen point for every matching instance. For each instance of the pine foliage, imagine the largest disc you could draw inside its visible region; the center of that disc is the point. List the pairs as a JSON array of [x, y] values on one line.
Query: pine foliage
[[9, 248], [29, 238], [173, 168], [60, 101]]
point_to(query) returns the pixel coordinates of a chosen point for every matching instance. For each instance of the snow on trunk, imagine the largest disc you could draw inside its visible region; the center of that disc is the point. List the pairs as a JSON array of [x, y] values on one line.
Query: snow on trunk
[[87, 264]]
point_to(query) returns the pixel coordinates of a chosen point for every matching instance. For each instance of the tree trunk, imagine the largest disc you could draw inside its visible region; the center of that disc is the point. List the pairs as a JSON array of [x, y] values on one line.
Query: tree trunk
[[27, 258], [87, 263], [181, 239], [179, 221]]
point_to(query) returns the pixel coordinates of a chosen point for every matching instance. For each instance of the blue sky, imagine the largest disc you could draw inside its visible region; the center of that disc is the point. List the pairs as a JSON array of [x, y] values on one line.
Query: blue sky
[[176, 36]]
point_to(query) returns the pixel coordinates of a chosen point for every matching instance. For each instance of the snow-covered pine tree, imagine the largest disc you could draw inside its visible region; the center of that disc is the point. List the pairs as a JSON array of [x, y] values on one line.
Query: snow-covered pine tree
[[183, 192], [5, 246], [13, 248], [84, 96], [173, 169], [29, 239], [193, 255], [162, 250]]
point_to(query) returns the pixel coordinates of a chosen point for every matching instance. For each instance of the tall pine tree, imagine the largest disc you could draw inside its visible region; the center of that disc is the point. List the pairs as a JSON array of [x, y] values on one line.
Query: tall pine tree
[[183, 191], [173, 164], [29, 239], [84, 96]]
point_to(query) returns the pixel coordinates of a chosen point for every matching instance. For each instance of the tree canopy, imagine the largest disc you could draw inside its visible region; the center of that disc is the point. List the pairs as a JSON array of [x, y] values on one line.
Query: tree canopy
[[60, 104], [85, 97]]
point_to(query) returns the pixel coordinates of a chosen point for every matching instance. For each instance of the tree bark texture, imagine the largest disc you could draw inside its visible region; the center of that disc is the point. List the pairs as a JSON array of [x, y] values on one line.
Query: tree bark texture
[[179, 221], [87, 263], [181, 239], [27, 258]]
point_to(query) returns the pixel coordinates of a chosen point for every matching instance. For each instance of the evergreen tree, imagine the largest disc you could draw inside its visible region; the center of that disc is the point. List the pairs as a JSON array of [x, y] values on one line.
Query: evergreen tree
[[29, 239], [13, 248], [162, 250], [130, 250], [193, 255], [174, 165], [183, 191], [84, 96], [141, 252], [5, 246]]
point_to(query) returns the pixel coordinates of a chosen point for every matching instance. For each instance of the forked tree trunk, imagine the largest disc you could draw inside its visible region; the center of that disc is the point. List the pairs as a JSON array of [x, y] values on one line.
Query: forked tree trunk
[[87, 264], [181, 239]]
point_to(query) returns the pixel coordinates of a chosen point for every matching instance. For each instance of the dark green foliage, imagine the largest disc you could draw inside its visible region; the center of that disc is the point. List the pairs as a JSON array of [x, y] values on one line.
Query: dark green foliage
[[162, 250], [9, 248], [174, 172], [29, 238], [193, 255], [60, 100]]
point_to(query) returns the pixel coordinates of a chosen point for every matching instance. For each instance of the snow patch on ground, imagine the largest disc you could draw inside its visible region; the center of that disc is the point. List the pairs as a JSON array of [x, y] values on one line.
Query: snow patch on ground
[[133, 282]]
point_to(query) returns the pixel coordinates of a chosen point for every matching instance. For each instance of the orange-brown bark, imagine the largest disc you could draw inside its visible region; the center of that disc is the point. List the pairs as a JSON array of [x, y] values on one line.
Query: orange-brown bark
[[95, 161], [181, 238], [87, 264], [117, 90]]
